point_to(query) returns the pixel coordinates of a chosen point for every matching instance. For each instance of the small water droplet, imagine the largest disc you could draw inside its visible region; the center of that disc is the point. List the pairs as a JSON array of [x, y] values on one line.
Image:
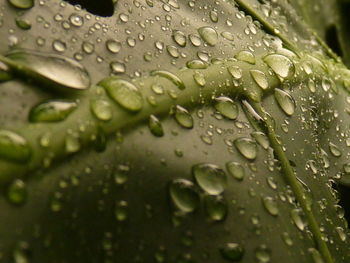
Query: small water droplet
[[101, 109], [121, 211], [180, 38], [227, 107], [17, 192], [113, 46], [233, 252], [23, 24], [261, 138], [285, 101], [155, 126], [281, 65], [124, 93], [216, 207], [316, 256], [183, 117], [88, 47], [297, 219], [247, 147], [236, 170], [183, 195], [117, 67], [260, 78], [170, 76], [72, 143], [199, 78], [270, 205], [246, 56], [196, 64], [287, 239], [263, 254], [235, 71], [209, 35], [210, 178], [52, 111], [76, 20], [13, 147], [334, 149]]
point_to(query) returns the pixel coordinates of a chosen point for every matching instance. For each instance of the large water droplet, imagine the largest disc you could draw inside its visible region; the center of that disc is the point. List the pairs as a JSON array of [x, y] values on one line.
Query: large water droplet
[[233, 252], [270, 205], [101, 109], [124, 93], [170, 76], [285, 101], [209, 35], [155, 126], [281, 65], [216, 207], [49, 69], [52, 111], [17, 192], [183, 195], [22, 4], [227, 107], [13, 147], [247, 147], [210, 178], [236, 170], [260, 78], [183, 117]]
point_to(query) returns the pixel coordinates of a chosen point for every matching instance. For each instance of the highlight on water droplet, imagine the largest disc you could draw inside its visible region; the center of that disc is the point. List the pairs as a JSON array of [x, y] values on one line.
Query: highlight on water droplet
[[52, 111], [210, 178], [13, 147], [270, 205]]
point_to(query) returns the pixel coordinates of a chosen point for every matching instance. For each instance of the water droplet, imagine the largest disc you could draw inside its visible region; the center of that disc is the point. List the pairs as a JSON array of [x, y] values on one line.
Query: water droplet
[[183, 117], [52, 111], [270, 205], [184, 195], [76, 20], [180, 38], [23, 24], [173, 51], [50, 69], [117, 67], [13, 147], [297, 219], [17, 192], [236, 170], [101, 109], [247, 147], [196, 64], [281, 65], [121, 211], [157, 89], [214, 16], [72, 143], [246, 56], [263, 254], [155, 126], [170, 76], [124, 93], [199, 78], [227, 107], [209, 35], [233, 252], [216, 207], [235, 71], [260, 78], [287, 239], [334, 149], [228, 35], [261, 138], [88, 47], [316, 256], [59, 45], [210, 178], [113, 46], [22, 4], [285, 101]]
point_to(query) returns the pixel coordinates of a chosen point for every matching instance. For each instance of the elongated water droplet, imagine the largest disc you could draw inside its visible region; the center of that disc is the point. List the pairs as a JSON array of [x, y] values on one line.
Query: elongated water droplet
[[233, 252], [236, 170], [155, 126], [22, 4], [261, 138], [260, 78], [72, 143], [247, 147], [316, 256], [113, 46], [285, 101], [23, 24], [13, 147], [263, 254], [216, 207], [49, 69], [270, 205], [209, 35], [297, 219], [227, 107], [287, 239], [183, 117], [180, 38], [52, 111], [246, 56], [17, 192], [101, 109], [170, 76], [196, 64], [124, 93], [183, 195], [334, 149], [199, 78], [235, 71], [281, 65], [210, 178]]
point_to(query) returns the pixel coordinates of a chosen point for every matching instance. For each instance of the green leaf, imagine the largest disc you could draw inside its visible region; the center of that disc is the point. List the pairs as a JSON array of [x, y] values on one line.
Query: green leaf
[[211, 132]]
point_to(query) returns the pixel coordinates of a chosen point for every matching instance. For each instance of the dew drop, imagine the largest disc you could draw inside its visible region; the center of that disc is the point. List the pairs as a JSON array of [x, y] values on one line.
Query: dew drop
[[113, 46], [183, 117], [117, 67], [180, 38], [22, 4], [247, 147], [260, 78], [285, 101], [23, 24], [52, 111], [281, 65], [196, 64], [209, 35], [216, 207], [235, 71], [233, 252], [287, 239], [88, 47], [101, 109], [261, 138], [183, 195], [72, 143], [155, 126], [59, 45], [236, 170], [17, 192], [210, 178], [124, 93], [121, 211], [199, 78], [170, 76], [76, 20], [246, 56], [270, 205], [263, 254], [297, 219], [334, 149], [227, 107], [316, 256], [13, 147]]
